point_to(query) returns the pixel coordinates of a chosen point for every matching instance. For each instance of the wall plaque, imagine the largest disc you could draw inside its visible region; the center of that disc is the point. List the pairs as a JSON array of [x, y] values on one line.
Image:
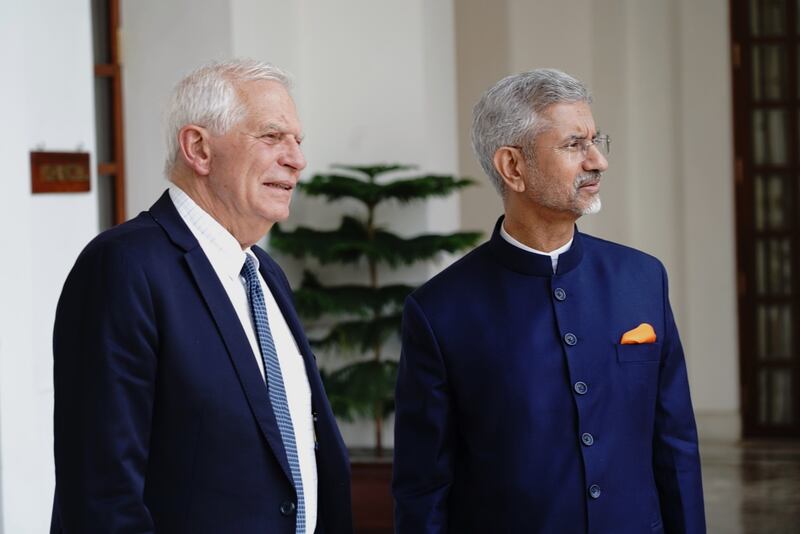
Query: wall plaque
[[60, 172]]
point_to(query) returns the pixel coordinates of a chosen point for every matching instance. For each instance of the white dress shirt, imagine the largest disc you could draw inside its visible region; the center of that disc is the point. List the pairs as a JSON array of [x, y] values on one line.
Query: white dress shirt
[[227, 258], [553, 255]]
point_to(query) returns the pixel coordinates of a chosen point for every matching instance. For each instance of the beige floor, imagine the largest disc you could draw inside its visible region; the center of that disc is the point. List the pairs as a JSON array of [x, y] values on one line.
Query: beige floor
[[752, 488]]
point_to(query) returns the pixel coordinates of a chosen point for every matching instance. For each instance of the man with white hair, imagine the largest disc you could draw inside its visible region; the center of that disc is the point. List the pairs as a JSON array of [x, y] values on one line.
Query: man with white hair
[[187, 398], [542, 386]]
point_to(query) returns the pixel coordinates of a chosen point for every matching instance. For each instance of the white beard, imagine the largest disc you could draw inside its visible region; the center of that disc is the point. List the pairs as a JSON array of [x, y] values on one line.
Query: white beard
[[594, 206]]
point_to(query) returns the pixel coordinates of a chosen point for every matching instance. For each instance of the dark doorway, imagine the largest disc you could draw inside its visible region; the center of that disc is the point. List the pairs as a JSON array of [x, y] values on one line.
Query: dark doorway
[[765, 40]]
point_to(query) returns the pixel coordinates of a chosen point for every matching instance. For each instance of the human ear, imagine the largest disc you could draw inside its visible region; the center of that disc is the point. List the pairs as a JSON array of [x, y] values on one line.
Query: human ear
[[510, 163], [195, 148]]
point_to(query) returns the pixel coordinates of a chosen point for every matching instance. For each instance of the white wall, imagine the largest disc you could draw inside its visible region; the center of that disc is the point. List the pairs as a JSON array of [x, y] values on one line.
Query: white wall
[[162, 42], [660, 76], [482, 58], [706, 167], [45, 48]]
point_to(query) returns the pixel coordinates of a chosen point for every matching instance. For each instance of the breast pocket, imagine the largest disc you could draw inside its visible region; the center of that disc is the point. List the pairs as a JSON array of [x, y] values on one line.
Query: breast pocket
[[639, 353], [638, 371]]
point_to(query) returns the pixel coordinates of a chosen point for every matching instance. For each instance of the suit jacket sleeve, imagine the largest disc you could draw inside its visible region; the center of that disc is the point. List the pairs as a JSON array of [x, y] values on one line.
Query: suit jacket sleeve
[[676, 460], [104, 375], [424, 430]]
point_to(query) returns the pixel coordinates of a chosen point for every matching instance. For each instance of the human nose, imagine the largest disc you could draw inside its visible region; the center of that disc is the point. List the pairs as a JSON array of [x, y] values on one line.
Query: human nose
[[293, 156], [595, 160]]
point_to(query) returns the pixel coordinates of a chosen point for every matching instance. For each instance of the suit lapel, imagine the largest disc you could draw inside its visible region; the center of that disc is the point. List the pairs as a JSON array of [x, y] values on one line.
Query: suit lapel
[[328, 434], [228, 325], [284, 301], [333, 466]]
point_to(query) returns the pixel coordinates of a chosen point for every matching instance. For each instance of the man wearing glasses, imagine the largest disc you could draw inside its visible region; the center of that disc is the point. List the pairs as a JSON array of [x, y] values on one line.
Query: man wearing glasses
[[542, 385]]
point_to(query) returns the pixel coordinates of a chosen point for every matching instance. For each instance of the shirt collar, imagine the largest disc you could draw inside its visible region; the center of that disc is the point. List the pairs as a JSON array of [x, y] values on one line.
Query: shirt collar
[[553, 254], [219, 245], [522, 261]]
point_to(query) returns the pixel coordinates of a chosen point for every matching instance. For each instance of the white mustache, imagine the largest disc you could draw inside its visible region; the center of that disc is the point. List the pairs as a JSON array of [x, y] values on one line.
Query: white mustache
[[581, 179]]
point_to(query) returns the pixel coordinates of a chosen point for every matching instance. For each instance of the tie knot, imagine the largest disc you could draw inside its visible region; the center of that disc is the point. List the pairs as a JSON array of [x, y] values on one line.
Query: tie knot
[[249, 270]]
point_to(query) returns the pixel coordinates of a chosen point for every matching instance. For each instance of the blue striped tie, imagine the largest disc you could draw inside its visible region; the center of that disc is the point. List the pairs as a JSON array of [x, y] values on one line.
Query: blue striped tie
[[277, 391]]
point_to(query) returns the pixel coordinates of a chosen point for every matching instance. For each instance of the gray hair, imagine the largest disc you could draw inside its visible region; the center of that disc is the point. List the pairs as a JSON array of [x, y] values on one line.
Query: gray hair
[[510, 113], [209, 98]]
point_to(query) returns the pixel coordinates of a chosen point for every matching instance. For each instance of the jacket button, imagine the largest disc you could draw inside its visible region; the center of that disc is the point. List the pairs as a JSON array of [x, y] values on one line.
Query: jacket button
[[587, 439], [594, 491], [560, 294], [580, 388], [314, 416], [287, 508], [570, 339]]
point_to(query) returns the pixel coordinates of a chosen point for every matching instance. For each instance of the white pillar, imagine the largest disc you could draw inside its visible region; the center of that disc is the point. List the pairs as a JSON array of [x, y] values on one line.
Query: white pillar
[[710, 330], [46, 44]]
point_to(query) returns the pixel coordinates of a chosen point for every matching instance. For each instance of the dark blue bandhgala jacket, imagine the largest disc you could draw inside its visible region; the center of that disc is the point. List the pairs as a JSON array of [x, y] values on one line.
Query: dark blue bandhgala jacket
[[518, 410], [163, 422]]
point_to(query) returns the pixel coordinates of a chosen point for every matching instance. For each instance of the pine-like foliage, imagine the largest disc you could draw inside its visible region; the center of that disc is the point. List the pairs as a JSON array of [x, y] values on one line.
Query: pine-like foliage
[[368, 314]]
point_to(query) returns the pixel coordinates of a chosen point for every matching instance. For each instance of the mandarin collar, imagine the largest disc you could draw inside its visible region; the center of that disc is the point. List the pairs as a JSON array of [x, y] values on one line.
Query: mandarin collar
[[529, 263]]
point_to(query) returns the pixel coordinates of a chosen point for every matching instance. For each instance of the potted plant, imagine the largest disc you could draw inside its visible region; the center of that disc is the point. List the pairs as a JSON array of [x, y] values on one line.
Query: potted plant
[[365, 315]]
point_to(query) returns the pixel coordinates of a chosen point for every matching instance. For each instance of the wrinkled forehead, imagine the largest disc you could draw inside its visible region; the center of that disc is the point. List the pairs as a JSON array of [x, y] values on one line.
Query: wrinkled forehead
[[268, 102]]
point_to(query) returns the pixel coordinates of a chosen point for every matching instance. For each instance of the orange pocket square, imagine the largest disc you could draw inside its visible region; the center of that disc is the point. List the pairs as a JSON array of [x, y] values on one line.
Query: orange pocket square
[[643, 333]]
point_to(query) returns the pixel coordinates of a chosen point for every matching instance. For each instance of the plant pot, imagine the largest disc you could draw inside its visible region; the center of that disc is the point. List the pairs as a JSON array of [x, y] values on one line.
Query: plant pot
[[373, 507]]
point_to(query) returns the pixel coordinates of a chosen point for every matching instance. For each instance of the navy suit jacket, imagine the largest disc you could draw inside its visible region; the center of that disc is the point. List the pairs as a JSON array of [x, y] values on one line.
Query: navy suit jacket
[[518, 410], [163, 422]]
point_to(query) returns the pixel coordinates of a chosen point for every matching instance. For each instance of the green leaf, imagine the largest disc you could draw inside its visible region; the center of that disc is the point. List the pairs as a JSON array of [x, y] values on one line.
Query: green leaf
[[350, 242], [313, 299], [362, 388], [431, 185], [360, 335], [389, 248], [335, 187], [344, 244], [374, 170]]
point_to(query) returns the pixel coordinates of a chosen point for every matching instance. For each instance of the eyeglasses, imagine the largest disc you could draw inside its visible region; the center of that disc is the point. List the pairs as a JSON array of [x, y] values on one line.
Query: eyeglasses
[[577, 149]]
